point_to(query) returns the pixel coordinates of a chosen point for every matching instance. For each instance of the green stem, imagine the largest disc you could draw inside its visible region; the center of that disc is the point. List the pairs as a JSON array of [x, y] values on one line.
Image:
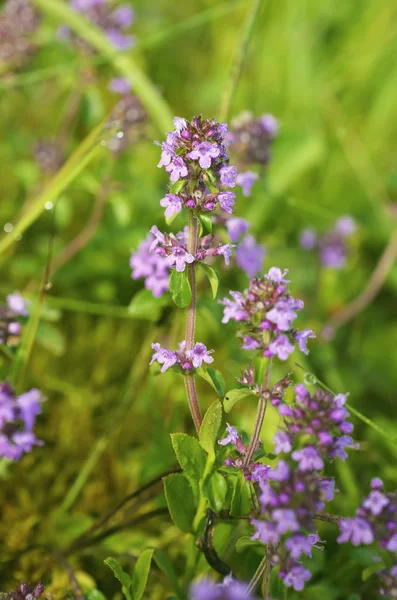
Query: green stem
[[258, 574], [7, 352], [190, 385], [260, 415], [239, 60]]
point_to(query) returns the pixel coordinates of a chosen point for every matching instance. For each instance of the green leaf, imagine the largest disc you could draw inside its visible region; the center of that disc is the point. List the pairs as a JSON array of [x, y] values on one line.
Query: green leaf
[[165, 565], [234, 396], [180, 288], [178, 186], [210, 427], [190, 455], [145, 306], [214, 378], [246, 542], [180, 501], [241, 499], [206, 222], [94, 595], [121, 575], [141, 574], [213, 278], [214, 489]]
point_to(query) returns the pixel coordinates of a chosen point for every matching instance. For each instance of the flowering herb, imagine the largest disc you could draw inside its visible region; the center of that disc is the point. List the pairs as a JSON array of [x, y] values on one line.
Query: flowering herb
[[13, 315], [332, 246], [18, 22], [17, 419]]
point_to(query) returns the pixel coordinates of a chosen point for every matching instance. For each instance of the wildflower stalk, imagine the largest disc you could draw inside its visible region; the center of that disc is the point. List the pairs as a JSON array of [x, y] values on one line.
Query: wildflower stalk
[[258, 574], [260, 415], [191, 321]]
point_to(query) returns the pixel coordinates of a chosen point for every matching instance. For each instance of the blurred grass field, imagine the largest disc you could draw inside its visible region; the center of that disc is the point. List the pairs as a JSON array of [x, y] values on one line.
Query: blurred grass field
[[328, 72]]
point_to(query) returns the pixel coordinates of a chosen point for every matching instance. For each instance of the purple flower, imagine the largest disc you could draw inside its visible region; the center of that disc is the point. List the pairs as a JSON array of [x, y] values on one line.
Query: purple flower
[[166, 358], [392, 543], [123, 16], [151, 266], [250, 255], [282, 314], [265, 532], [376, 502], [177, 169], [180, 258], [172, 204], [17, 304], [301, 337], [225, 251], [250, 343], [119, 40], [270, 124], [285, 520], [226, 201], [204, 152], [230, 589], [297, 578], [333, 255], [356, 530], [297, 545], [246, 181], [179, 124], [234, 309], [280, 472], [308, 459], [236, 227], [281, 346], [283, 442], [275, 274], [120, 85], [308, 239], [200, 354], [29, 405], [231, 438], [228, 176], [345, 226]]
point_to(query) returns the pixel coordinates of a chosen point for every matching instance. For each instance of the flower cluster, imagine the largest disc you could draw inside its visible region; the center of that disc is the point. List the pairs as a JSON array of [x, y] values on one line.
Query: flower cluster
[[152, 266], [17, 420], [48, 156], [250, 139], [229, 589], [332, 245], [249, 254], [195, 156], [128, 117], [18, 22], [295, 489], [12, 316], [376, 522], [186, 360], [115, 22], [173, 249], [25, 592], [267, 310]]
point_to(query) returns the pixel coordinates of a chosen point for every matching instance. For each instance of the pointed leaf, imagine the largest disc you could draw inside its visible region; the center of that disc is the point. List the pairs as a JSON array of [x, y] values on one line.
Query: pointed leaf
[[180, 288], [121, 575], [214, 489], [141, 574], [213, 278], [190, 455], [178, 186], [206, 222], [165, 565], [210, 427], [241, 499], [246, 542], [234, 396], [180, 501], [214, 378]]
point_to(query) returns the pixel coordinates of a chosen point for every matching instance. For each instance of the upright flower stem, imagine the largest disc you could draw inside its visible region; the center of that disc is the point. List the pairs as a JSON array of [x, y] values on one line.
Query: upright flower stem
[[191, 321], [260, 415]]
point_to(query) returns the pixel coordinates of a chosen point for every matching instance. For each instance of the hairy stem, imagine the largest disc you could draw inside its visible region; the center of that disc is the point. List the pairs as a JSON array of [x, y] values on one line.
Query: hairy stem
[[191, 321], [260, 415]]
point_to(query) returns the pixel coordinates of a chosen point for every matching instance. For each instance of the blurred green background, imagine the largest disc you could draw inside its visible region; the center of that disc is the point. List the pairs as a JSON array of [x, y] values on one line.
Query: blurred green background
[[327, 71]]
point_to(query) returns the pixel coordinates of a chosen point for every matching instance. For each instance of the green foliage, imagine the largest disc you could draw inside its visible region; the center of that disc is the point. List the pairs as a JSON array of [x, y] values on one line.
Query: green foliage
[[214, 378], [180, 288], [122, 576], [180, 501], [214, 489], [140, 574], [213, 278], [241, 498], [190, 455], [234, 396], [210, 427]]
